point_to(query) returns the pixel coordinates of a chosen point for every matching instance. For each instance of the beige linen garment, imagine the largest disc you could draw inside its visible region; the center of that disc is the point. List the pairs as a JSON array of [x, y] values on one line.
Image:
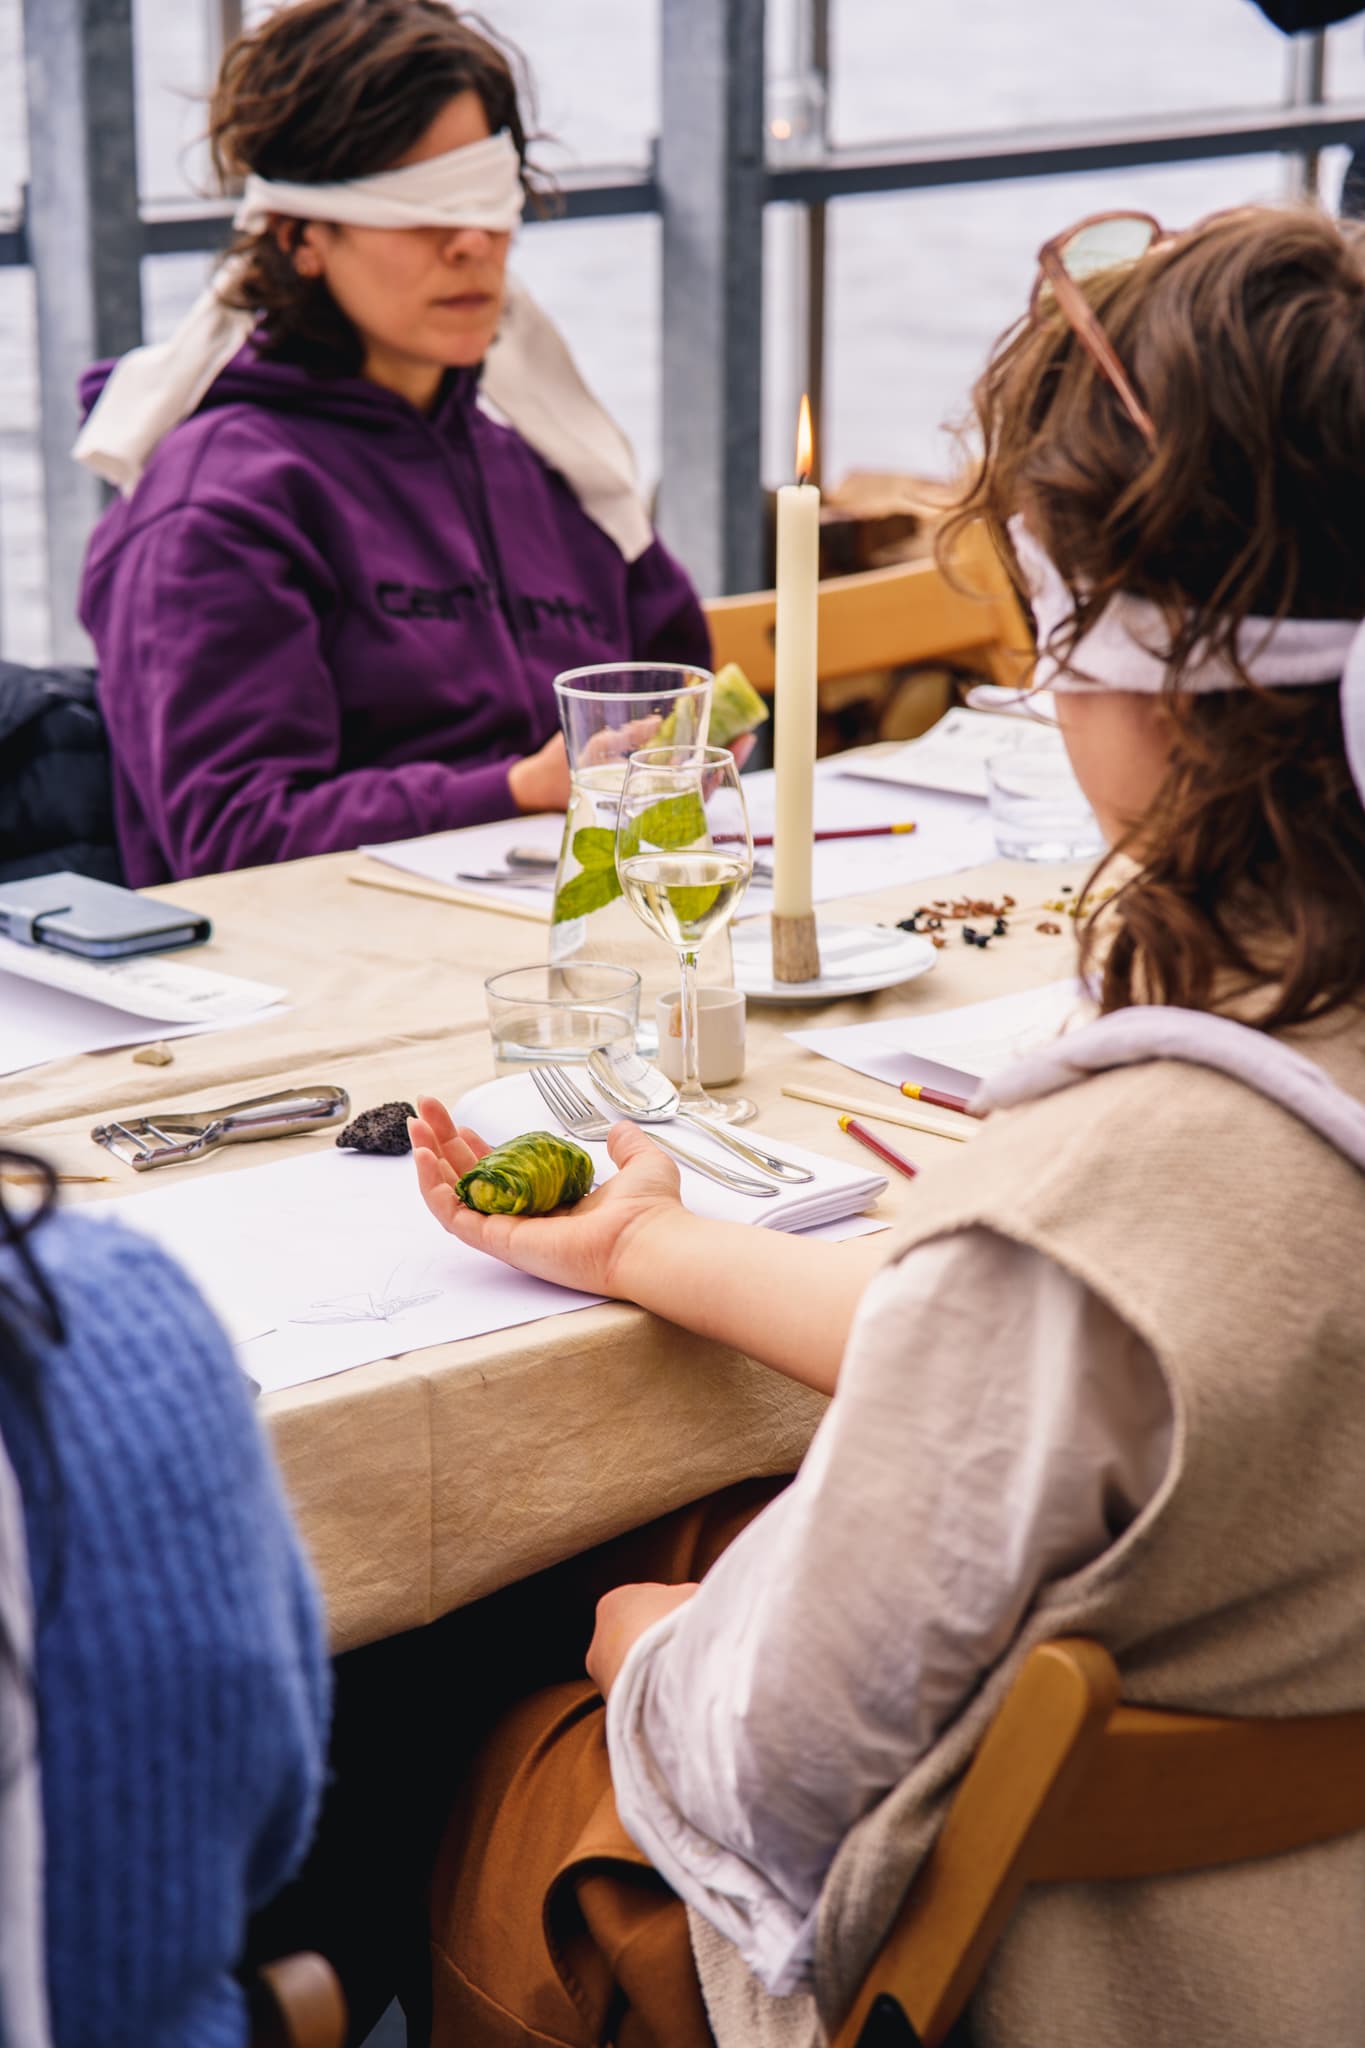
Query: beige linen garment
[[1232, 1239]]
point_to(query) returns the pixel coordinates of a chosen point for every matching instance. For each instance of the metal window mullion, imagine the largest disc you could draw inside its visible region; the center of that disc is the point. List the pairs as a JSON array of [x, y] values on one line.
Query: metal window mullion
[[711, 177], [1306, 86], [84, 240]]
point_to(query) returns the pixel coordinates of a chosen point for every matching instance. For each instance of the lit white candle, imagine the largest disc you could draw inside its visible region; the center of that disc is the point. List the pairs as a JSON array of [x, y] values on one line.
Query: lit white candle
[[798, 579]]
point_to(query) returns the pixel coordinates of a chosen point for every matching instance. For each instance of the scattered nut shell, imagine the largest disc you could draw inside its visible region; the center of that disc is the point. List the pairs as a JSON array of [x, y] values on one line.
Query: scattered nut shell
[[157, 1055]]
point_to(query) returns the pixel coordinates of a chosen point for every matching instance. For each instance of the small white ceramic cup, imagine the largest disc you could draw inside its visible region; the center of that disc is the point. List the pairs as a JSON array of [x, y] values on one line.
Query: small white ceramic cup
[[720, 1035]]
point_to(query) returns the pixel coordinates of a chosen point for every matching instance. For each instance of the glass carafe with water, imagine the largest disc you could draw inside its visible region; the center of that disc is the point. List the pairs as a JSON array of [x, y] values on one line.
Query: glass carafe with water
[[608, 714]]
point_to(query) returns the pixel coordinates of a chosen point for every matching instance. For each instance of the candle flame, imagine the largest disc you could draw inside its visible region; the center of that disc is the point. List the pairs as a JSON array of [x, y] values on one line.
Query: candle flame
[[805, 443]]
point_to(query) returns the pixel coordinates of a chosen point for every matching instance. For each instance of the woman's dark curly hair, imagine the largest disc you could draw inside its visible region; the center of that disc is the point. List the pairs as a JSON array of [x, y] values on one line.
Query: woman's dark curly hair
[[1245, 339], [326, 90]]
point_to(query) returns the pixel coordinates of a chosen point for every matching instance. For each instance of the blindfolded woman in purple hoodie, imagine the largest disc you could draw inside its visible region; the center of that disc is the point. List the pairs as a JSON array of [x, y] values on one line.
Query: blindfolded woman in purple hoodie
[[370, 510]]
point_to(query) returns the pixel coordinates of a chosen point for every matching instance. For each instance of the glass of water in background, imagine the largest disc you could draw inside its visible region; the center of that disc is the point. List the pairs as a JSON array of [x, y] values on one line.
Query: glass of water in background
[[538, 1014], [1038, 809]]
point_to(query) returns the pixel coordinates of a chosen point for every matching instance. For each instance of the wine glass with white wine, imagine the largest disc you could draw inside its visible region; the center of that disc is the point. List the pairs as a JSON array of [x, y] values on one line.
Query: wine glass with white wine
[[684, 854]]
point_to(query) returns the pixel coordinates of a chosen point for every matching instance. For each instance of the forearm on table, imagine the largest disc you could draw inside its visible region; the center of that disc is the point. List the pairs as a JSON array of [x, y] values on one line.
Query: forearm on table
[[271, 817], [783, 1300]]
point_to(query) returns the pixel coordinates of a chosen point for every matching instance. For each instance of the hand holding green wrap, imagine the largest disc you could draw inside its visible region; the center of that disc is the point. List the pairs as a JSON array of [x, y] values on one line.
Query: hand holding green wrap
[[527, 1176], [736, 708]]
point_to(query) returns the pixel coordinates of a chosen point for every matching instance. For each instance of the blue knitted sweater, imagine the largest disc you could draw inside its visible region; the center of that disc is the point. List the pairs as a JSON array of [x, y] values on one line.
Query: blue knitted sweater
[[182, 1678]]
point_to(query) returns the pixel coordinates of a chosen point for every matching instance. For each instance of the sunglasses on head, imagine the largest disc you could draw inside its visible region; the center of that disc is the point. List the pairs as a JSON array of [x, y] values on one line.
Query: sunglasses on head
[[1100, 242]]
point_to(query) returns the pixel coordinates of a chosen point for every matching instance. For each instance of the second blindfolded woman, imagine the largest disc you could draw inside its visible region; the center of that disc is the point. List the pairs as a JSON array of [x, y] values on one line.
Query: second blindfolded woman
[[370, 510]]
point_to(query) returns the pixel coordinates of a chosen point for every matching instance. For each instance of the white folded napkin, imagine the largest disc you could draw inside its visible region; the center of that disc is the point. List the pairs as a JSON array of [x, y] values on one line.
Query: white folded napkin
[[509, 1107]]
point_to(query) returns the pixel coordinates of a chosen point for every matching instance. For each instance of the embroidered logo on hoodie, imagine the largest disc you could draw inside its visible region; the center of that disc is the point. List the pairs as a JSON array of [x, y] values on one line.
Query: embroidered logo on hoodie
[[456, 600]]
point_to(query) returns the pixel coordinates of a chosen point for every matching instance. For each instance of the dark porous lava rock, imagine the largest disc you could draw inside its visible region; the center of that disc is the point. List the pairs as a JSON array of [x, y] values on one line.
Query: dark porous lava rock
[[379, 1130]]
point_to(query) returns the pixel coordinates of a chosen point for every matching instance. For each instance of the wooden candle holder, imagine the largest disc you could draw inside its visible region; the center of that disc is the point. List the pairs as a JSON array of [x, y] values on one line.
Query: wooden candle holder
[[796, 948]]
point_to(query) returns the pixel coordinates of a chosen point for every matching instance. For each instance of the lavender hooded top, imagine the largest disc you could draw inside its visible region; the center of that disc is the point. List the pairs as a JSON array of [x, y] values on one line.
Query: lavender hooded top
[[325, 618]]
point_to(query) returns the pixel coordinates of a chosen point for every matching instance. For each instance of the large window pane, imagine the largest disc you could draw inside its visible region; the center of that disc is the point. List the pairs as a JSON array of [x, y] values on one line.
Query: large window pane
[[920, 286], [1346, 61], [174, 51], [599, 281], [595, 68], [903, 71]]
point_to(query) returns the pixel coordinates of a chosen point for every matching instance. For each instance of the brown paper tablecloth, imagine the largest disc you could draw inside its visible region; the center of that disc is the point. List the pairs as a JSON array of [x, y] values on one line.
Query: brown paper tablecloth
[[424, 1481]]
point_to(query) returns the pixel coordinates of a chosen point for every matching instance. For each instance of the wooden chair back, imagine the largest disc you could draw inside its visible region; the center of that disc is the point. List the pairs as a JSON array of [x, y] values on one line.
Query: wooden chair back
[[297, 2003], [886, 619], [1067, 1786]]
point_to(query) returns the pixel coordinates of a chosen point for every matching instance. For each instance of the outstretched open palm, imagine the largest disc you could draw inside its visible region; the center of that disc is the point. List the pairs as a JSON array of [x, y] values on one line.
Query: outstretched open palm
[[580, 1247]]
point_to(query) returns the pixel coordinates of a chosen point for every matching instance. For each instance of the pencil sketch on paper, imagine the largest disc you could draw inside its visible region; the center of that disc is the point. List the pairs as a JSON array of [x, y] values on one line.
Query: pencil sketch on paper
[[385, 1306]]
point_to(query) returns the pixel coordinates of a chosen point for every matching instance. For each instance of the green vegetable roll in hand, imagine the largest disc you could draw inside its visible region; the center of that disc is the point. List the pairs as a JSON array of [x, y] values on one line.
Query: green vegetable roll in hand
[[527, 1177], [736, 708]]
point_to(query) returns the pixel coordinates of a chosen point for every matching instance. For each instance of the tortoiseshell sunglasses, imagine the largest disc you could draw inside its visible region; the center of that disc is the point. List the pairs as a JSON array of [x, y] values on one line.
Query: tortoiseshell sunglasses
[[1102, 241]]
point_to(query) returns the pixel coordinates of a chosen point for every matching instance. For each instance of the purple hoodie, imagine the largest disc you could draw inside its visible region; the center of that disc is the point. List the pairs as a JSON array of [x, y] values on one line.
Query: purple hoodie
[[324, 618]]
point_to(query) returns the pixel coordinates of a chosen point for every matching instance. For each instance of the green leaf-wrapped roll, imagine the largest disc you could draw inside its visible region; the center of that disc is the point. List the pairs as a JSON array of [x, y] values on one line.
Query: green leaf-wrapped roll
[[736, 708], [527, 1177]]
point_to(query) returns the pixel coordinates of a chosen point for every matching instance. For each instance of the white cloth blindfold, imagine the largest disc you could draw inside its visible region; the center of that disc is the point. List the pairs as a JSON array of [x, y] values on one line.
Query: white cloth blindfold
[[528, 373], [1128, 648]]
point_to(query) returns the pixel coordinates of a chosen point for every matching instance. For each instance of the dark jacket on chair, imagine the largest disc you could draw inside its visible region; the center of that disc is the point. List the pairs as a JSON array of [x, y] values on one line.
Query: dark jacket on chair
[[56, 805]]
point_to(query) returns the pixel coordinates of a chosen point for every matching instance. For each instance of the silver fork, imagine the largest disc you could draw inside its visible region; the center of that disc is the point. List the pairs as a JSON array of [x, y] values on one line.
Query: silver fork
[[506, 878], [566, 1101]]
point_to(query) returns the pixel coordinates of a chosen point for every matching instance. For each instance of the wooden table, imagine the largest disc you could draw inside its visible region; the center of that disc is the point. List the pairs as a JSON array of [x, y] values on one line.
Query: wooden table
[[424, 1481]]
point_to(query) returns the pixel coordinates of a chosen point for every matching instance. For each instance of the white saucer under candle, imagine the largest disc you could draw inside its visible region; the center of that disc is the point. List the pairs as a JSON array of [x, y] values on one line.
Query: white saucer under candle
[[855, 960]]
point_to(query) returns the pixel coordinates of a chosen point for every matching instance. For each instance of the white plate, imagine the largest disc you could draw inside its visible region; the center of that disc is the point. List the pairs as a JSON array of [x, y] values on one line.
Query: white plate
[[855, 959]]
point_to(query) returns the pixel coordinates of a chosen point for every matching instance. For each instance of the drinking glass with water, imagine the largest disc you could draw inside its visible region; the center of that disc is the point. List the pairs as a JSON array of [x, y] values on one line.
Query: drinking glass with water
[[607, 714], [1038, 809], [562, 1014]]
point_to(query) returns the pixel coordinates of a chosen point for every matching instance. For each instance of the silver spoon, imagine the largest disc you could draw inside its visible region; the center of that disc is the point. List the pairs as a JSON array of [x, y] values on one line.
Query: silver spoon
[[638, 1090]]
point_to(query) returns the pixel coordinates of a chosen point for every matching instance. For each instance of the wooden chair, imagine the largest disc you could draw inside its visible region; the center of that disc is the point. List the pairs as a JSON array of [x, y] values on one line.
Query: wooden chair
[[297, 2003], [887, 619], [1068, 1785]]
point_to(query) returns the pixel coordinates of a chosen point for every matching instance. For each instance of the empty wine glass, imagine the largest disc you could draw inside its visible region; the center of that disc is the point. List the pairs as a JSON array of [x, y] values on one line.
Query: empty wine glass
[[684, 854]]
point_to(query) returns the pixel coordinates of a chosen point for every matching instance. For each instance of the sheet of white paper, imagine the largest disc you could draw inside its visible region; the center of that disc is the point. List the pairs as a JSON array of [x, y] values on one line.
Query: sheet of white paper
[[952, 755], [951, 1049], [951, 832], [149, 985], [328, 1261], [450, 857], [38, 1024]]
